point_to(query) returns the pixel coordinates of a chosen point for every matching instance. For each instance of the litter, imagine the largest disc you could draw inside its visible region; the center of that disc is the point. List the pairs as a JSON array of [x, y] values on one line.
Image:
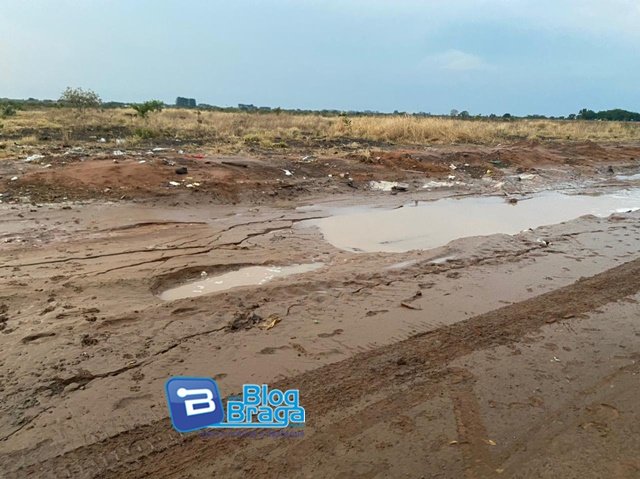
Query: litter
[[382, 185], [287, 172], [400, 187], [118, 153], [272, 320], [14, 178], [33, 158], [526, 176], [453, 167], [102, 140], [174, 183], [48, 165], [441, 184], [308, 158], [142, 161]]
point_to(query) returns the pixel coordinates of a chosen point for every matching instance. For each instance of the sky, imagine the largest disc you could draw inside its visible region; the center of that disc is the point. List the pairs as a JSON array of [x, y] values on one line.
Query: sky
[[549, 57]]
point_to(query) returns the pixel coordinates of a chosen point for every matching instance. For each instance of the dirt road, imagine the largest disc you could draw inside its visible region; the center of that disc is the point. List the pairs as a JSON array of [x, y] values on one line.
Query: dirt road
[[494, 356]]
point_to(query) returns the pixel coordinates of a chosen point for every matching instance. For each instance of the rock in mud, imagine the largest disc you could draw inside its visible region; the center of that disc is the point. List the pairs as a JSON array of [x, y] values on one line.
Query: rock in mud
[[182, 170]]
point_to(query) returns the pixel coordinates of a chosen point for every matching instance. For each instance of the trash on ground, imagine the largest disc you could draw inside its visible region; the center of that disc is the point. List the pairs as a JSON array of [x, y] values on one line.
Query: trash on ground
[[271, 321]]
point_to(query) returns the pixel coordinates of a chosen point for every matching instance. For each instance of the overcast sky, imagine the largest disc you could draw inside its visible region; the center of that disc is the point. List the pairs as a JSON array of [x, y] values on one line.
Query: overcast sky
[[485, 56]]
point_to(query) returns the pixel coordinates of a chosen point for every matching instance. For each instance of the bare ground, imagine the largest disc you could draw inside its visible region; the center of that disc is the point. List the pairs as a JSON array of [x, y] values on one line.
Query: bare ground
[[516, 359]]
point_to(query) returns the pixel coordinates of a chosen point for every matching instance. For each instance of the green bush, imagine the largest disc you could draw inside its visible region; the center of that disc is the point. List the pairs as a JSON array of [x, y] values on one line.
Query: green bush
[[7, 110], [79, 98], [143, 109]]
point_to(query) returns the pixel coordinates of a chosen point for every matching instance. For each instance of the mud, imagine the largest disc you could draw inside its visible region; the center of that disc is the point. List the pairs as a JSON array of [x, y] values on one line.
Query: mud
[[501, 355]]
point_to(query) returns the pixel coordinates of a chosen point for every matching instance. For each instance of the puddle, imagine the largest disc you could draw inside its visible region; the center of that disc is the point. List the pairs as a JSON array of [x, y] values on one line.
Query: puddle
[[250, 276], [435, 223], [628, 177]]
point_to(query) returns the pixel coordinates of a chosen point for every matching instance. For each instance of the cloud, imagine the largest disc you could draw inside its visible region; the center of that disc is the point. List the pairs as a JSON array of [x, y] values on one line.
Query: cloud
[[454, 60]]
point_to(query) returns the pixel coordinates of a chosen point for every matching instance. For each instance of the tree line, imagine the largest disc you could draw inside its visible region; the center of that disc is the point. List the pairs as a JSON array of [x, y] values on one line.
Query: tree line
[[82, 99]]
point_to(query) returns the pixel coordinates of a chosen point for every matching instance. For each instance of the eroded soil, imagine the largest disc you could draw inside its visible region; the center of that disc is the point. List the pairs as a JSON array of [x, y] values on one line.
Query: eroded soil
[[494, 356]]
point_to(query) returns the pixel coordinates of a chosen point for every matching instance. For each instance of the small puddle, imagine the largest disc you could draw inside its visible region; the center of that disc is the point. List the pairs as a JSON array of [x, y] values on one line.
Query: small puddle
[[628, 177], [431, 224], [250, 276]]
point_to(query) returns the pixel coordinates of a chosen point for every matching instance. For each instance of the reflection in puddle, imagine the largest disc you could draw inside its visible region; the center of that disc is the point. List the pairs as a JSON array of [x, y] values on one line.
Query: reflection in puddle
[[253, 275], [435, 223]]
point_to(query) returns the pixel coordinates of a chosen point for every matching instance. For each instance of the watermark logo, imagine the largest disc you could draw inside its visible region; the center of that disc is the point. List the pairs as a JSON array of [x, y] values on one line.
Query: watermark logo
[[195, 403]]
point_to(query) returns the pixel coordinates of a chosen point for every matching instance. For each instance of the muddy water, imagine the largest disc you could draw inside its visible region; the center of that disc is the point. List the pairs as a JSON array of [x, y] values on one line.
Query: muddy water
[[426, 225], [251, 276]]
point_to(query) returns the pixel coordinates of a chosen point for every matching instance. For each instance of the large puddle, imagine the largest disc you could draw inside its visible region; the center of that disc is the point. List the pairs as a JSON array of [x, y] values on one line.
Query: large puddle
[[426, 225], [251, 276]]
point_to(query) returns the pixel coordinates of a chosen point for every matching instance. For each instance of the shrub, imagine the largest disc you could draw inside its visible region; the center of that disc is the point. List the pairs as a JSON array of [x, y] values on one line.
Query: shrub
[[7, 110], [143, 109], [79, 98]]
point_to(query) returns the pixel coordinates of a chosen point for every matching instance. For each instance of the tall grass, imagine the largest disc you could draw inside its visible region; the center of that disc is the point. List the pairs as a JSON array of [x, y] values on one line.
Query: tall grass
[[281, 129]]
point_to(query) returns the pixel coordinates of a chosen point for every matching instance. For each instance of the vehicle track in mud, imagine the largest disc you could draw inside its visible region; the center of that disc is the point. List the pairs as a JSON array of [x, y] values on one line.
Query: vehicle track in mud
[[370, 390]]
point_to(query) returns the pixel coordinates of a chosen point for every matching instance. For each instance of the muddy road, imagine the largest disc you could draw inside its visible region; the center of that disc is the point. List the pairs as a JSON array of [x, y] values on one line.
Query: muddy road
[[504, 352]]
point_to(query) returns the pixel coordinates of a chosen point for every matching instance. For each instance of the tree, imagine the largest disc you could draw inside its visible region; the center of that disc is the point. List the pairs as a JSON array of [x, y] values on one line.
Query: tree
[[464, 114], [586, 114], [143, 109], [454, 112], [79, 98]]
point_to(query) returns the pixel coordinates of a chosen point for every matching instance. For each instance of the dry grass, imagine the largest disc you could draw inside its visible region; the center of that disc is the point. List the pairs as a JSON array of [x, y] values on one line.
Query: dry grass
[[282, 130]]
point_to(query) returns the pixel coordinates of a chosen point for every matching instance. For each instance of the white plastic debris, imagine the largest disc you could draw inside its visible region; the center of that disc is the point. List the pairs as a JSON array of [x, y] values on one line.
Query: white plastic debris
[[174, 183], [142, 161], [441, 184], [102, 140], [451, 177], [118, 153], [120, 141], [526, 176], [33, 158], [48, 165], [287, 172], [382, 185], [308, 158], [157, 148], [453, 167], [14, 178]]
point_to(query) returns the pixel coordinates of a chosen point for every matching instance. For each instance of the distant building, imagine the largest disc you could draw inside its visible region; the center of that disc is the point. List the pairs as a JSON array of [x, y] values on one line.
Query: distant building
[[182, 102], [243, 107]]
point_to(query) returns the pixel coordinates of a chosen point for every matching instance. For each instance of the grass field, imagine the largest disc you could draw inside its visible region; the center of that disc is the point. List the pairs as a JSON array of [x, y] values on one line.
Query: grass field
[[285, 130]]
